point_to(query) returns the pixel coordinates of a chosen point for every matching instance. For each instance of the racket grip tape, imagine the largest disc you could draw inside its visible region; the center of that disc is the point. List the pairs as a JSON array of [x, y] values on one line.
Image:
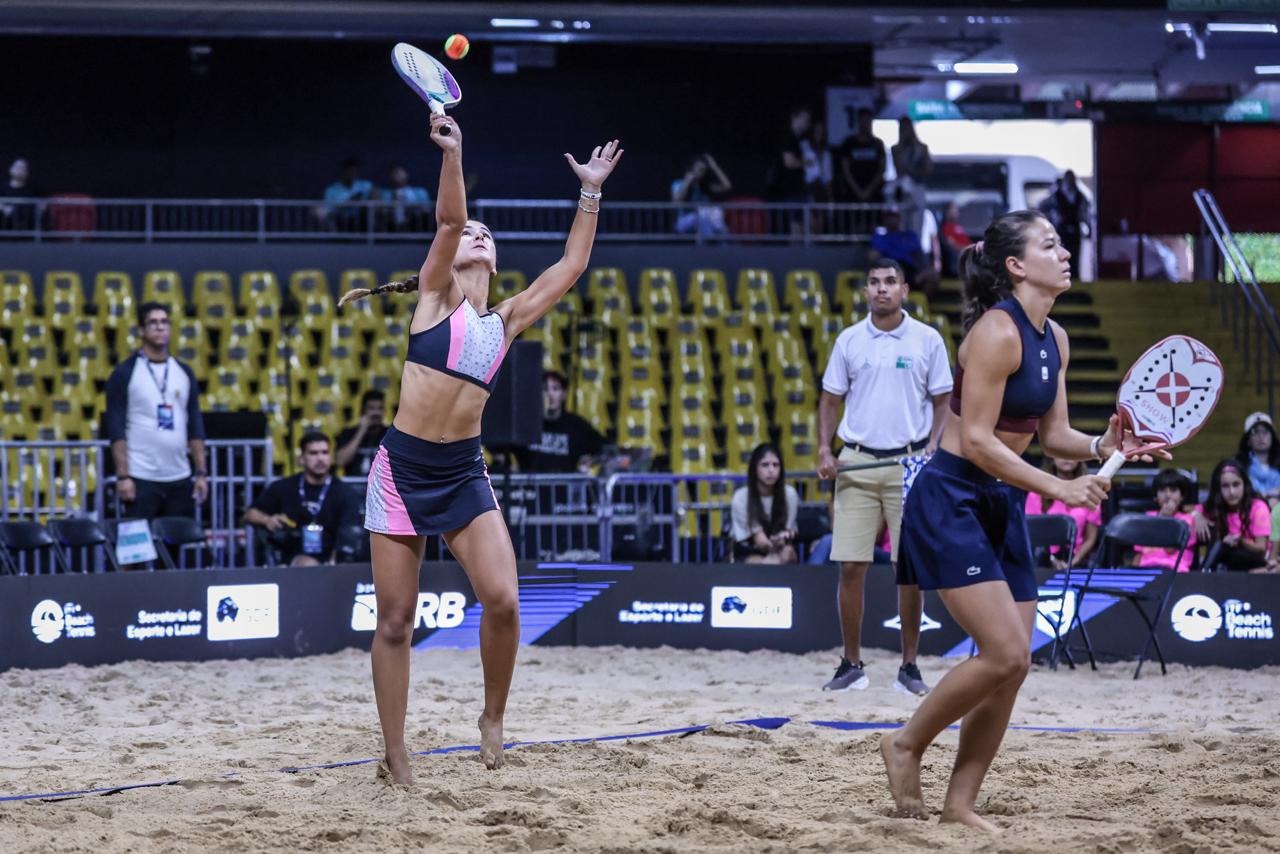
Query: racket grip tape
[[438, 109], [1112, 465], [882, 464]]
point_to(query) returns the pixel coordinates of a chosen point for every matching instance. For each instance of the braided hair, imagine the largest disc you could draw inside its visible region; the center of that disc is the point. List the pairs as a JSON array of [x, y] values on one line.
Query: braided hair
[[399, 286], [982, 269]]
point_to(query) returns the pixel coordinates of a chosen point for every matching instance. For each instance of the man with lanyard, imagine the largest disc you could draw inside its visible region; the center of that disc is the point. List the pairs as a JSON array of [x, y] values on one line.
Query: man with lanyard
[[893, 378], [303, 513], [153, 422]]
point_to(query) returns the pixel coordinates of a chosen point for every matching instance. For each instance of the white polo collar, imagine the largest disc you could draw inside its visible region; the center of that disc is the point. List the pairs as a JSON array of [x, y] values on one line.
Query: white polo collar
[[897, 332]]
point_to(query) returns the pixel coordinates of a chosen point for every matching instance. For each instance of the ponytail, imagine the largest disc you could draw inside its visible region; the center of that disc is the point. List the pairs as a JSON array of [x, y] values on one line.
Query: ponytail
[[981, 266], [399, 286]]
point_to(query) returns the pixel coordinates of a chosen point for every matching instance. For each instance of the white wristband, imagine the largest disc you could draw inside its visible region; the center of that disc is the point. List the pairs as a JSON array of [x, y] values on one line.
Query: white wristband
[[1094, 446], [587, 194]]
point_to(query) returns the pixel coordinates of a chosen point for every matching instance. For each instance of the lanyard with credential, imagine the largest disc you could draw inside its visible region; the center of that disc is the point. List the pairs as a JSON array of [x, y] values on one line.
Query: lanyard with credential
[[302, 496], [162, 384]]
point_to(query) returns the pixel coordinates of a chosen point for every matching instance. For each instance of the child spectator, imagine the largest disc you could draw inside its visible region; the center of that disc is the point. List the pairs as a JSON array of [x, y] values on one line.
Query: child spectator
[[1259, 454], [1172, 493], [764, 511], [1234, 521]]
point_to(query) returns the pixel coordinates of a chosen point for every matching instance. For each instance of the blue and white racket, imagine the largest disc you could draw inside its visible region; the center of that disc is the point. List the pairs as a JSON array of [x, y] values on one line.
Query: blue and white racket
[[427, 77]]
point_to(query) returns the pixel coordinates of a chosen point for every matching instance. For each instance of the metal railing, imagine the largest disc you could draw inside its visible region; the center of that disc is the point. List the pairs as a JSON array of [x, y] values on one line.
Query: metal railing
[[1246, 311], [276, 220]]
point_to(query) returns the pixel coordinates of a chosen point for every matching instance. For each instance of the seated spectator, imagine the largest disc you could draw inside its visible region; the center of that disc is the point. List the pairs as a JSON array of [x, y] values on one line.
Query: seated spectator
[[1087, 521], [17, 217], [350, 187], [1233, 521], [1172, 493], [408, 205], [954, 239], [303, 513], [893, 241], [1259, 454], [703, 182], [569, 443], [764, 511], [358, 445]]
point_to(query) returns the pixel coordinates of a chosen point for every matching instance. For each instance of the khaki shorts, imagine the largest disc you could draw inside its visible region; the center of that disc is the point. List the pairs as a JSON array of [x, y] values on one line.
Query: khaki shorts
[[863, 498]]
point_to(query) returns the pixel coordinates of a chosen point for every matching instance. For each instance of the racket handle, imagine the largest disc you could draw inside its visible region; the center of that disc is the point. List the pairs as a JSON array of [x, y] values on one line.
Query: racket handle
[[1112, 465], [438, 109], [883, 464]]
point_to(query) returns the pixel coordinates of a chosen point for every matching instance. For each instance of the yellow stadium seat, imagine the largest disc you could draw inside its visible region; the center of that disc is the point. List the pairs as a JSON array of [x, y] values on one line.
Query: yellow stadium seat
[[17, 298], [113, 300], [316, 311], [6, 366], [824, 337], [326, 385], [227, 391], [917, 304], [708, 298], [849, 292], [365, 314], [589, 398], [658, 298], [641, 428], [64, 299], [257, 287], [744, 429], [265, 320], [241, 348], [307, 283], [642, 398], [739, 353], [65, 419], [756, 294], [165, 287], [543, 331], [277, 386], [799, 440], [799, 284], [33, 349], [16, 424], [595, 367], [505, 285], [212, 298], [607, 281]]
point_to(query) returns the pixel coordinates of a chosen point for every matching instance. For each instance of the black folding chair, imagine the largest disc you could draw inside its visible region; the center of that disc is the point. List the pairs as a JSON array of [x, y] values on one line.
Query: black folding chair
[[1049, 531], [1134, 529], [83, 534], [351, 544], [27, 538], [177, 531]]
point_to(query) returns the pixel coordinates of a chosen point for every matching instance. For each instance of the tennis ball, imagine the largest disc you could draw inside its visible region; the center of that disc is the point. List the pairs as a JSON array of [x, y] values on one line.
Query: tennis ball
[[456, 46]]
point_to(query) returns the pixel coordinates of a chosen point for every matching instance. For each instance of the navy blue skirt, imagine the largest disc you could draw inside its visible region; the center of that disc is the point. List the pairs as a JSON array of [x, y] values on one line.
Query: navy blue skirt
[[423, 488], [961, 526]]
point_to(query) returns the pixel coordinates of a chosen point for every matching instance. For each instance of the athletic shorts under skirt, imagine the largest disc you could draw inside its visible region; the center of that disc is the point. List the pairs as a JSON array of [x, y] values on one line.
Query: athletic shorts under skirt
[[420, 487], [961, 526]]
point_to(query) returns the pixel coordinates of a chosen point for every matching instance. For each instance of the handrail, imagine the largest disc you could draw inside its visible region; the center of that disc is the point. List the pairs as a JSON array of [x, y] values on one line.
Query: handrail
[[1263, 321], [268, 220]]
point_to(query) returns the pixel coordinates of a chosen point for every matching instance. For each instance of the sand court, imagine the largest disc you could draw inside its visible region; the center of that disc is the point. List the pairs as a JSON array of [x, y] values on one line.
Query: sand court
[[1192, 763]]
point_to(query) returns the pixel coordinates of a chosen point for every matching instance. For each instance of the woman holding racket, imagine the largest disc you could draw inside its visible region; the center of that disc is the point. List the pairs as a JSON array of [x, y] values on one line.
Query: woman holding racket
[[429, 475], [963, 528]]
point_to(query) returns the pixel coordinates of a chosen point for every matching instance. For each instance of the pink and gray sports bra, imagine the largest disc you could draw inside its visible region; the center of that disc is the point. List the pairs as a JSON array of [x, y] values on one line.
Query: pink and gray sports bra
[[466, 345]]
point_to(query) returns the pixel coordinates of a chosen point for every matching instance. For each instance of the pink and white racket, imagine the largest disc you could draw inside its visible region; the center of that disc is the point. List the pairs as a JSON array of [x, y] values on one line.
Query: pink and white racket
[[1167, 396], [428, 77]]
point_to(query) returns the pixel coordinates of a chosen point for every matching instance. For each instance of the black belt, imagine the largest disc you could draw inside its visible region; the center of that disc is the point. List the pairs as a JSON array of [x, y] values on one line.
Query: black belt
[[881, 453]]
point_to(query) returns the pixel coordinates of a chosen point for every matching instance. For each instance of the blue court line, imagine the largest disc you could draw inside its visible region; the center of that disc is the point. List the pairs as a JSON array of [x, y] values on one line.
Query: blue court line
[[769, 723]]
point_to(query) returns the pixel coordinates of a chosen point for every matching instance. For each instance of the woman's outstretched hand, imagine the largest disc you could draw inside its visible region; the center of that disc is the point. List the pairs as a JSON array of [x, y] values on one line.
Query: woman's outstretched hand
[[448, 142], [600, 166]]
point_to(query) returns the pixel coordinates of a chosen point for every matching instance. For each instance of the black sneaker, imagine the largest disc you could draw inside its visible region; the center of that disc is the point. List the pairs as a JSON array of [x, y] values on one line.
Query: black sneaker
[[849, 677], [910, 681]]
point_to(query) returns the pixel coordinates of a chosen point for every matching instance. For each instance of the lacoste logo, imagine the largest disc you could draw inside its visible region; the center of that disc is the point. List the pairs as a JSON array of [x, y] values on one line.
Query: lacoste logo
[[974, 570]]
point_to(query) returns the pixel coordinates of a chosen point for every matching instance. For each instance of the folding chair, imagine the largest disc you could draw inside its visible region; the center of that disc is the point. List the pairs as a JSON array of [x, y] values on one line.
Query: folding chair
[[27, 538], [1045, 532], [176, 531], [1133, 529], [83, 534]]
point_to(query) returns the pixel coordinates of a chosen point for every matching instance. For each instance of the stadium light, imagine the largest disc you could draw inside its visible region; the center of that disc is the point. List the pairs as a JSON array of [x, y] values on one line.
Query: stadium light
[[985, 68], [1243, 28], [1266, 69], [514, 23]]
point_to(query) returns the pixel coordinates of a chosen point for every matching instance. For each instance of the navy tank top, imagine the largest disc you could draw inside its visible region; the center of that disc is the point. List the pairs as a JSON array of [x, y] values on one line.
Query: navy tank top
[[466, 344], [1031, 390]]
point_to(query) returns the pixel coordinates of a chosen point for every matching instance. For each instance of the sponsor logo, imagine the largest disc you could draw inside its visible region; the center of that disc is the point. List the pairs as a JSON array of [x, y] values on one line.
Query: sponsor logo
[[1057, 609], [1244, 623], [927, 623], [751, 607], [663, 612], [51, 620], [973, 570], [179, 623], [903, 363], [1196, 618], [243, 611], [443, 611]]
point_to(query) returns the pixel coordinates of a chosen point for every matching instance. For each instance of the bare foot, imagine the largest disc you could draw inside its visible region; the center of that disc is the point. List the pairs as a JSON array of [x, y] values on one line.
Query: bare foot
[[395, 770], [968, 817], [491, 743], [903, 768]]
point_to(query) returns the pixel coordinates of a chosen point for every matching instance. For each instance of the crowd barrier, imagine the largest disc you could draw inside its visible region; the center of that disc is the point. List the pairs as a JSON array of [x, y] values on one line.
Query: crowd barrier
[[52, 620]]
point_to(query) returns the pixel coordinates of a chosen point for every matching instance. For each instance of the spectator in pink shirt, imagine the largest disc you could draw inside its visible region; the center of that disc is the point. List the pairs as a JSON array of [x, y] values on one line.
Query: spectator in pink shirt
[[1173, 492], [1087, 521], [1234, 521]]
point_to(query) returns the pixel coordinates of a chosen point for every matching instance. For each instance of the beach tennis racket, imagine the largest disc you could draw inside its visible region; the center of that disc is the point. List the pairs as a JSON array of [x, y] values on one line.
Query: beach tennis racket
[[911, 466], [1167, 396], [426, 76]]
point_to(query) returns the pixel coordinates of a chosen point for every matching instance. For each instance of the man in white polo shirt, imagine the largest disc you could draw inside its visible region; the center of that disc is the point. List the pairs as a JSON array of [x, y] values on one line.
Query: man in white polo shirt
[[892, 376], [153, 423]]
